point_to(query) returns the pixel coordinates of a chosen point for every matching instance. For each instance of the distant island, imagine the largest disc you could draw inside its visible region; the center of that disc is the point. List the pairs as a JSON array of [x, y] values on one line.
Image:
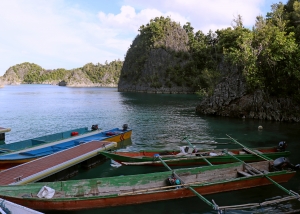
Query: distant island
[[89, 75]]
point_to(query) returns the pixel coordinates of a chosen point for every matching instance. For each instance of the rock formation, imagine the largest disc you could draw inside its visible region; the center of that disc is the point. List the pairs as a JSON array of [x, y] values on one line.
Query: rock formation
[[89, 75], [146, 65], [231, 99]]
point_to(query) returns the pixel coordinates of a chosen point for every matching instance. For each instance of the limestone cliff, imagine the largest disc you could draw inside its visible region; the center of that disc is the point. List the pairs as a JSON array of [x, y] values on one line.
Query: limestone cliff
[[151, 57], [231, 99]]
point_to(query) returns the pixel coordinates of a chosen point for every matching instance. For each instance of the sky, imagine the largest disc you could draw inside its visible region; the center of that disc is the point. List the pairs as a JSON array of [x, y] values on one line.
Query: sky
[[71, 33]]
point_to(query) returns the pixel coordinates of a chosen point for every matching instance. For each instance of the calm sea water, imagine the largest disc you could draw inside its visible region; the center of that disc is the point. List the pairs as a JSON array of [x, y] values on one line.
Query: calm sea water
[[158, 121]]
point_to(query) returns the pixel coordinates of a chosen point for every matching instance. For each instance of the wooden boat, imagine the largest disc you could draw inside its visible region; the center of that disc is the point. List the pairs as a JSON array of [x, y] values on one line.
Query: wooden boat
[[44, 147], [141, 188], [181, 158]]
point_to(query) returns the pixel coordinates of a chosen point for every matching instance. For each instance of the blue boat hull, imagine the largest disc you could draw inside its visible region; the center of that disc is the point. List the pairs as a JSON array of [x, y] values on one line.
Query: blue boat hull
[[12, 159]]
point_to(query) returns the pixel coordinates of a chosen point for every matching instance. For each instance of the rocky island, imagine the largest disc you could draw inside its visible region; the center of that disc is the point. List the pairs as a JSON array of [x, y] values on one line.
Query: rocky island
[[89, 75]]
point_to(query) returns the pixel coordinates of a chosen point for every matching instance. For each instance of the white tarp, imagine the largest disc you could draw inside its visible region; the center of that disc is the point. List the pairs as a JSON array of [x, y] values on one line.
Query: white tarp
[[182, 150], [46, 192]]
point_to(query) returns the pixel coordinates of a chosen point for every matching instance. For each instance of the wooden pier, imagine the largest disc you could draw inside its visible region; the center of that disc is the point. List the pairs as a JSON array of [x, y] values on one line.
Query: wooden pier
[[51, 164]]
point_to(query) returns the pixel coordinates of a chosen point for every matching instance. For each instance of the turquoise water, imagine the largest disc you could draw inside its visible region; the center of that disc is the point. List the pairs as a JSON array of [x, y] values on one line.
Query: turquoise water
[[159, 121]]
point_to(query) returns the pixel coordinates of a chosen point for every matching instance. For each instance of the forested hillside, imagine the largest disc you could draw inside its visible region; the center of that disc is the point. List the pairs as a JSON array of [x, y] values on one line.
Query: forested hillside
[[88, 75]]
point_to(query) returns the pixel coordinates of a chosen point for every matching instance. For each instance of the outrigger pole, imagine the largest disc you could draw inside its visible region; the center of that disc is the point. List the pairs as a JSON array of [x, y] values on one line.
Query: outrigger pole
[[209, 163], [293, 195], [213, 205], [250, 150], [185, 138], [290, 192], [210, 143]]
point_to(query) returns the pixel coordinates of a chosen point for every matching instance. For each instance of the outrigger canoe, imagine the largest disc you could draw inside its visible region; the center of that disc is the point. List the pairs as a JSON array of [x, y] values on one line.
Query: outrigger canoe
[[141, 188], [188, 157], [41, 148]]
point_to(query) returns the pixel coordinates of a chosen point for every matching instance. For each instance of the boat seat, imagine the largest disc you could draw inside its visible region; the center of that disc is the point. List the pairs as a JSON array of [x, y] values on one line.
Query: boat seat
[[244, 173]]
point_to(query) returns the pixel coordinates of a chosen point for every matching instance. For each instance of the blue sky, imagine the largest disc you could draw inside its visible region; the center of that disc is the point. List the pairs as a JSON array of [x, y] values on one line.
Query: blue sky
[[71, 33]]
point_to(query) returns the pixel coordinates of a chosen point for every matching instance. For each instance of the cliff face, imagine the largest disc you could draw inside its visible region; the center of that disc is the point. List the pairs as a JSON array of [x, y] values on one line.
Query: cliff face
[[231, 99], [147, 65], [11, 77]]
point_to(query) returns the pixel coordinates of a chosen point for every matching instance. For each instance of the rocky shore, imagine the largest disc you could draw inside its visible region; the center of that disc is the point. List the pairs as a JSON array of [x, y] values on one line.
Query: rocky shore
[[231, 99]]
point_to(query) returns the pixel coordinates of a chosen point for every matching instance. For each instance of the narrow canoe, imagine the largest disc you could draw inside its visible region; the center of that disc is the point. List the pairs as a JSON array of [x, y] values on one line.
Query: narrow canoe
[[177, 158], [11, 159], [141, 188]]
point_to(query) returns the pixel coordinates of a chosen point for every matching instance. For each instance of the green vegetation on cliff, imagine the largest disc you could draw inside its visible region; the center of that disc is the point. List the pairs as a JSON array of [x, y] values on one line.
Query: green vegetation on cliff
[[269, 54], [108, 73]]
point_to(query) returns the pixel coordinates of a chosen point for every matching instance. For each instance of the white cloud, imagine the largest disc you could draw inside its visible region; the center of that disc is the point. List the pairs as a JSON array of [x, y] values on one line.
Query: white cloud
[[48, 34], [203, 15], [61, 34], [129, 20]]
